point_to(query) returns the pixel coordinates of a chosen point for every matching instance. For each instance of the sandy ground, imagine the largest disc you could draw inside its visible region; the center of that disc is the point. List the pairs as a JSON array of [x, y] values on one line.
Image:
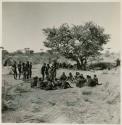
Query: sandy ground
[[100, 105]]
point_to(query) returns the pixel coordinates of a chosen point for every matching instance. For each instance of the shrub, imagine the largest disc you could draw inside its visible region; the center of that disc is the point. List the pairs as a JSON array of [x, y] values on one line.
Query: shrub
[[101, 66]]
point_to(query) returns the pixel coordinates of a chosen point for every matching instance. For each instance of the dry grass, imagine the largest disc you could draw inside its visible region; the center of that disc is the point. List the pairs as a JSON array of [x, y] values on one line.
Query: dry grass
[[94, 105]]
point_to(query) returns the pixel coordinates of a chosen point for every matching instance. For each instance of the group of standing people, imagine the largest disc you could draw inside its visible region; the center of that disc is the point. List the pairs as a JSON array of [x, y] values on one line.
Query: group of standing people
[[22, 69], [49, 72]]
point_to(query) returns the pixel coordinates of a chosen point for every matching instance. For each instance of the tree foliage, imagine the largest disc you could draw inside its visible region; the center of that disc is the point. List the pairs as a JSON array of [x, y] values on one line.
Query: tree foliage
[[90, 39]]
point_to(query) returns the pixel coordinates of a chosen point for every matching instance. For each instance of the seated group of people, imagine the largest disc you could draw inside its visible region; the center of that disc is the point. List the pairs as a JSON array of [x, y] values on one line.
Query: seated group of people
[[64, 81], [49, 84], [80, 80]]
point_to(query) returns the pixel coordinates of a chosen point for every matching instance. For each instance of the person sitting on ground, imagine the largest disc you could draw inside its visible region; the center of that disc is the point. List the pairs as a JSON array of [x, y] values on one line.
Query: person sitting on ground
[[34, 82], [39, 82], [63, 77], [50, 86], [43, 83], [70, 77], [76, 78], [81, 81], [77, 75], [95, 79], [90, 81], [66, 85], [57, 83]]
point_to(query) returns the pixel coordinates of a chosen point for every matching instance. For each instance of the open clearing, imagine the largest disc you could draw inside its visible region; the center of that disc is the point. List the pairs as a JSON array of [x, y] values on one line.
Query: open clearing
[[100, 104]]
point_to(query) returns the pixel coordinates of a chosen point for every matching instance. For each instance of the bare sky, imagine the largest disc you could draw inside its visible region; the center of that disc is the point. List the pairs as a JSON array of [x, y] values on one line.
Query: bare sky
[[23, 22]]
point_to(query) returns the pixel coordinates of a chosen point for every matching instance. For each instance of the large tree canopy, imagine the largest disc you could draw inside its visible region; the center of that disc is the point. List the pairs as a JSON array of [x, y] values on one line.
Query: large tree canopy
[[77, 42]]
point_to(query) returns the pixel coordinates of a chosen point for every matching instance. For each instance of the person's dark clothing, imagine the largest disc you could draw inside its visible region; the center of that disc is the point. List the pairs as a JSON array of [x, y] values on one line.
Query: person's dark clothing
[[47, 71], [20, 69], [43, 70], [27, 70], [30, 70], [58, 84], [43, 84], [55, 66], [63, 77], [70, 77], [49, 86], [34, 82], [81, 82], [52, 73], [24, 71], [95, 79], [14, 67], [91, 83], [77, 76], [65, 85]]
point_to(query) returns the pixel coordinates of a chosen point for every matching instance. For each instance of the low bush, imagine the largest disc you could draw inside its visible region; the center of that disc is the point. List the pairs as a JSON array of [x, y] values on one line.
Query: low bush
[[101, 66]]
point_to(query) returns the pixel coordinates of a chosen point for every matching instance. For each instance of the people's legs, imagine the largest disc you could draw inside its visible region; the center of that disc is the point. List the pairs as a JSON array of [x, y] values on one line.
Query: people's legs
[[47, 75], [24, 75], [19, 74], [43, 76], [55, 74], [30, 74], [14, 76]]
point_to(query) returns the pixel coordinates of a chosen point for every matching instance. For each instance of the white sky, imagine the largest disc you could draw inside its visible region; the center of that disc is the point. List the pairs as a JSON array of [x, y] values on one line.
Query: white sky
[[23, 22]]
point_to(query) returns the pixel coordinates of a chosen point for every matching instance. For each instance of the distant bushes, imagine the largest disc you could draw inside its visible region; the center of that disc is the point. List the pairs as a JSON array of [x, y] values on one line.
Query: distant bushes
[[101, 66]]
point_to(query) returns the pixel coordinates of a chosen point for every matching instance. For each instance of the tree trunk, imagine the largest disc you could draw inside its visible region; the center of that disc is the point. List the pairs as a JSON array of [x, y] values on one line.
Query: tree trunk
[[78, 64], [83, 62]]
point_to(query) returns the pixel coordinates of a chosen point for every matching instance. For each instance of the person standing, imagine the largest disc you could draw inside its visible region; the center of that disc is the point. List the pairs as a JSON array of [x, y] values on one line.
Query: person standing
[[30, 69], [43, 70], [20, 69], [24, 71], [47, 71], [14, 68], [54, 69], [27, 70]]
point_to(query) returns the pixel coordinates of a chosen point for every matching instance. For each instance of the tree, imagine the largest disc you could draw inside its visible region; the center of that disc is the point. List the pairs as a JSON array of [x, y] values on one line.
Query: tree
[[77, 42], [5, 53]]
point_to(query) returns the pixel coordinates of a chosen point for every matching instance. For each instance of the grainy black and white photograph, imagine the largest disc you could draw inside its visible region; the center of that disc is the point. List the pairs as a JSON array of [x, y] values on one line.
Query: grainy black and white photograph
[[61, 62]]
